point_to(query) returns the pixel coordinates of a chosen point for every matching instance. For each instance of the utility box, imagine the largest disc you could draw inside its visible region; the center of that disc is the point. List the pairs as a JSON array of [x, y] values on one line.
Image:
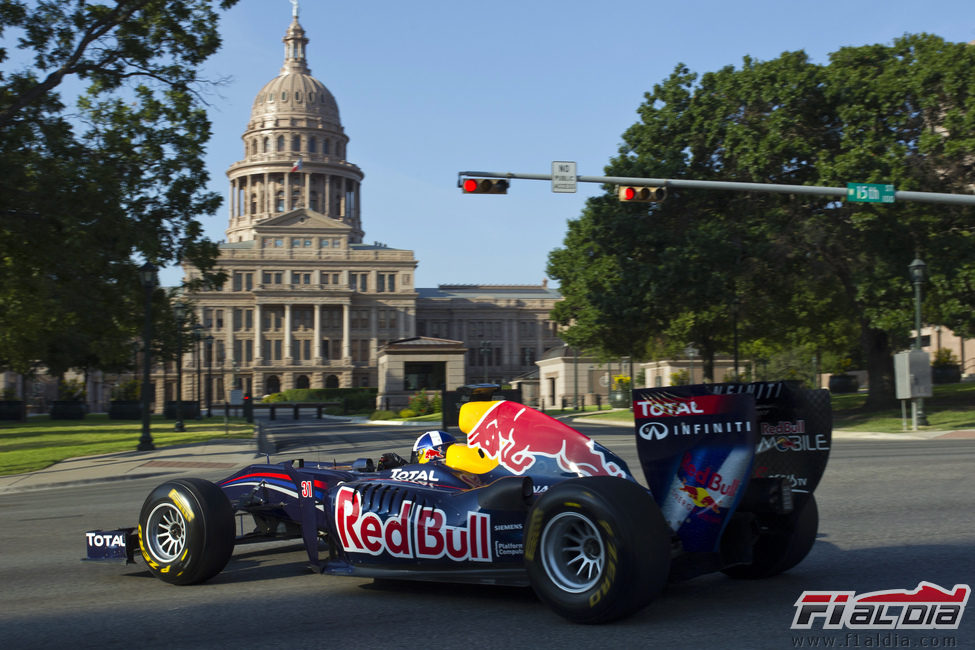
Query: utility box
[[912, 374]]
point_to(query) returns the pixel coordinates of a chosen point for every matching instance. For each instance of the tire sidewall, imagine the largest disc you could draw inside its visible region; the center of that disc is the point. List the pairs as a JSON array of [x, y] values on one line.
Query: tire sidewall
[[206, 521], [633, 571]]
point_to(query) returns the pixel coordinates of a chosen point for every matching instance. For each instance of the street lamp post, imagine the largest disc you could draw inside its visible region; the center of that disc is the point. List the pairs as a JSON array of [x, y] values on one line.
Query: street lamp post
[[208, 349], [147, 276], [917, 270], [179, 310], [198, 360], [736, 308]]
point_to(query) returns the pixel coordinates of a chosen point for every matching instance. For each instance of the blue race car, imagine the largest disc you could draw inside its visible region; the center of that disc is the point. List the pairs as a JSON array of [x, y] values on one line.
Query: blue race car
[[528, 500]]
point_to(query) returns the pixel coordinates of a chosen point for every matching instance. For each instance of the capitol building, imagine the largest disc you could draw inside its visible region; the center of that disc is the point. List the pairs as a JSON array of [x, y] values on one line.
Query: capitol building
[[309, 304]]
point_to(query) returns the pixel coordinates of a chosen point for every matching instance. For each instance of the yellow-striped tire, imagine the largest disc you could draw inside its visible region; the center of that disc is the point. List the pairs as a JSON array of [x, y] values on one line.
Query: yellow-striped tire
[[597, 548], [186, 531]]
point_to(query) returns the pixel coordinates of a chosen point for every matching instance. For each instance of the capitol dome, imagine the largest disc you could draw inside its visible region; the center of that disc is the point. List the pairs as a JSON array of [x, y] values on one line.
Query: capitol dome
[[294, 92], [294, 152]]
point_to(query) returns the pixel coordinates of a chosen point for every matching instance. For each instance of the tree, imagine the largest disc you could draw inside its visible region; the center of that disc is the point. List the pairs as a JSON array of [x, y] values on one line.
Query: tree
[[803, 271], [90, 190]]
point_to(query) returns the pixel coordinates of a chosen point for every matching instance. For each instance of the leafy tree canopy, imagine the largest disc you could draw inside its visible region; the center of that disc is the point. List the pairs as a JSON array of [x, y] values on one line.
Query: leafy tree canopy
[[91, 189], [793, 272]]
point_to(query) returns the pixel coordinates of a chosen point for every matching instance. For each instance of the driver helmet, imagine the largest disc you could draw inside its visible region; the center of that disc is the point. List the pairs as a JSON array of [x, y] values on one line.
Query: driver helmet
[[432, 445]]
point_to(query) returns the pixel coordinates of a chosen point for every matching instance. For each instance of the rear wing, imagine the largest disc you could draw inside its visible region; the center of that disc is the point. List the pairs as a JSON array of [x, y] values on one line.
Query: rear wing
[[700, 446]]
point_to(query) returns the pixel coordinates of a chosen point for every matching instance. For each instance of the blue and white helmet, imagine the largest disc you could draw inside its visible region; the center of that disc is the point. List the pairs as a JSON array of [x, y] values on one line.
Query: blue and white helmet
[[432, 445]]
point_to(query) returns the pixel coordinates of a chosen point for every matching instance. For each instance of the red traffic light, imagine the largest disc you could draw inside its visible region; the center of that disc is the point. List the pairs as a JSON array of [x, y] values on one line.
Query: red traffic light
[[485, 186], [641, 193]]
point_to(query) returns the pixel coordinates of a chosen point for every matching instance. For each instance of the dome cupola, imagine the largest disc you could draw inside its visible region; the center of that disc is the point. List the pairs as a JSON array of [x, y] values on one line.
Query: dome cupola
[[294, 150]]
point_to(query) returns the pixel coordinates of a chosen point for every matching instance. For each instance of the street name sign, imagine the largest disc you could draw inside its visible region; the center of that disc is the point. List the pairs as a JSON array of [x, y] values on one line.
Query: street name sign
[[869, 193]]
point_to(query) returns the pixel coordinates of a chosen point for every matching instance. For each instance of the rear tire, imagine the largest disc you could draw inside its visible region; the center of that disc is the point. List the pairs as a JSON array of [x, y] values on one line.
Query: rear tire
[[597, 549], [787, 540], [186, 531]]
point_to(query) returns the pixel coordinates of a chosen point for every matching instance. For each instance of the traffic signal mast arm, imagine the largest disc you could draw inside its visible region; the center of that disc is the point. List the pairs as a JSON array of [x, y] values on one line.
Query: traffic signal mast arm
[[673, 183]]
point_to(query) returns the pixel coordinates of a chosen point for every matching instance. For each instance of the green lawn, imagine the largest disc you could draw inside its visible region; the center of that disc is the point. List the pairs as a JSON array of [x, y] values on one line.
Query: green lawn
[[40, 441]]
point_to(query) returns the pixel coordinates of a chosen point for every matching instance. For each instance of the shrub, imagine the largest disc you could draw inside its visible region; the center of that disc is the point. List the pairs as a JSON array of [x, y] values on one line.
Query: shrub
[[420, 403], [382, 415], [72, 390], [423, 404], [127, 391], [407, 413], [944, 357]]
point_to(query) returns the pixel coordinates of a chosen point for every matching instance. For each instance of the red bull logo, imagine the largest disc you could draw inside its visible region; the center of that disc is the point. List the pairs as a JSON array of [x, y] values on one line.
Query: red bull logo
[[516, 436], [700, 497], [414, 532]]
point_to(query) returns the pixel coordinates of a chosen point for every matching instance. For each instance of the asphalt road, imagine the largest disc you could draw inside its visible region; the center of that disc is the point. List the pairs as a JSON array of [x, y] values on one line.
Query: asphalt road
[[892, 514]]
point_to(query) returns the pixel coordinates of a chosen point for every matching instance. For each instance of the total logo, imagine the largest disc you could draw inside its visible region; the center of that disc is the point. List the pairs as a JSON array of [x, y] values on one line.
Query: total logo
[[97, 540], [817, 442], [928, 607], [415, 532]]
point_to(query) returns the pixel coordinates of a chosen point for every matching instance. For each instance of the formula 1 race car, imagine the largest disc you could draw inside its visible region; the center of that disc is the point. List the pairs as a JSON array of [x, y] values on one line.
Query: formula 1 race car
[[528, 500]]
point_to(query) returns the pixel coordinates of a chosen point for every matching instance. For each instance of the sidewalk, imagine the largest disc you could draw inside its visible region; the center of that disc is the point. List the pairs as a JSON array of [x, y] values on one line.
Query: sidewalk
[[218, 458]]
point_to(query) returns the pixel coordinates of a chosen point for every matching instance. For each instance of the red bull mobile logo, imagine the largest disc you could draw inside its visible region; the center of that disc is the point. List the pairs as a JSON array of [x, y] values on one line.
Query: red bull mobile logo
[[516, 436]]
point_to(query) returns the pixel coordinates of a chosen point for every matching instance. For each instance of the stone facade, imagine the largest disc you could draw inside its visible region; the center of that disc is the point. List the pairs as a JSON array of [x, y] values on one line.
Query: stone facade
[[307, 303]]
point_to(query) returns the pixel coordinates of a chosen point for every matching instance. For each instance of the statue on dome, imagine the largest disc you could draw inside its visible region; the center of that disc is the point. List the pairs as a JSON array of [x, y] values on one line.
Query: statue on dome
[[294, 8]]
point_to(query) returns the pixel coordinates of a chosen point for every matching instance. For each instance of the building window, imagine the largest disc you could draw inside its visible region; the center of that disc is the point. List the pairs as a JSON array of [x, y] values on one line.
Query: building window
[[301, 277], [243, 281], [272, 277], [296, 143], [314, 201], [295, 197], [267, 144], [279, 201], [280, 143], [311, 141]]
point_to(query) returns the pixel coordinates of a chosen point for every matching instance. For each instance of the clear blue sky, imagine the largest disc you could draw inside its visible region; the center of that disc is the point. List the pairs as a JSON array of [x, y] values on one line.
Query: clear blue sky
[[429, 88]]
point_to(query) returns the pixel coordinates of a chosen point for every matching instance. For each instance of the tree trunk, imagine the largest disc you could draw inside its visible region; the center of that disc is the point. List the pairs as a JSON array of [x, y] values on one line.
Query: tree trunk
[[880, 367]]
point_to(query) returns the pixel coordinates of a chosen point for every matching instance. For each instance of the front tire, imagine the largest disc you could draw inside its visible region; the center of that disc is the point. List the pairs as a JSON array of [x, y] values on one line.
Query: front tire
[[186, 531], [597, 549]]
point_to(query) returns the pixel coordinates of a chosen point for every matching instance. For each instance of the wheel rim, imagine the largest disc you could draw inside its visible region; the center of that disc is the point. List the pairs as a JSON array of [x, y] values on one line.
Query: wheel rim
[[166, 532], [572, 552]]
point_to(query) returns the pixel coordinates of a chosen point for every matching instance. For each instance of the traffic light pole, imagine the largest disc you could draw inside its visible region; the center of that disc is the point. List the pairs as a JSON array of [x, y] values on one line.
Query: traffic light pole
[[676, 183]]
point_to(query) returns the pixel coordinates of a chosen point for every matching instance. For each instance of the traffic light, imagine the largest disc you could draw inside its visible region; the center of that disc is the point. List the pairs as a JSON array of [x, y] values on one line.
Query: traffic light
[[484, 186], [641, 194]]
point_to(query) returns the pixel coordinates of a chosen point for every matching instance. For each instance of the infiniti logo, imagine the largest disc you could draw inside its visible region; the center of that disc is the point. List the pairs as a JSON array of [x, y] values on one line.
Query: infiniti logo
[[651, 430]]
